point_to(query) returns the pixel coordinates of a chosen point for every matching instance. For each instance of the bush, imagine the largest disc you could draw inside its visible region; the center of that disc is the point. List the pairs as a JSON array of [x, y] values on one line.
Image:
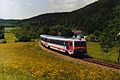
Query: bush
[[1, 35], [16, 40], [24, 38], [94, 38], [32, 40], [1, 32], [87, 38], [2, 41]]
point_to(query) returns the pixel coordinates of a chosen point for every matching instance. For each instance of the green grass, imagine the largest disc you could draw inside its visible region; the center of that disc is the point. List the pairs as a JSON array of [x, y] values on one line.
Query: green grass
[[8, 29], [95, 51], [10, 37], [27, 61]]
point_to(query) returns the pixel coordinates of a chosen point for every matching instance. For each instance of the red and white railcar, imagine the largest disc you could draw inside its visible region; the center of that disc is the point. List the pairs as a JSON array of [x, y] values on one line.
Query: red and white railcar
[[69, 45]]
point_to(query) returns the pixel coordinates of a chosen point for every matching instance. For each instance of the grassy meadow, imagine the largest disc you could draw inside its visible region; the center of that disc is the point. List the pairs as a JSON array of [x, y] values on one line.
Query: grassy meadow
[[95, 51], [7, 30], [10, 37], [27, 61]]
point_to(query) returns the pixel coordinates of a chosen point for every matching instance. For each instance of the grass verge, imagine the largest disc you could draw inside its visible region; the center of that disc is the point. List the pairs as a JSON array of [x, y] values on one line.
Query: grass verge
[[26, 61], [95, 51]]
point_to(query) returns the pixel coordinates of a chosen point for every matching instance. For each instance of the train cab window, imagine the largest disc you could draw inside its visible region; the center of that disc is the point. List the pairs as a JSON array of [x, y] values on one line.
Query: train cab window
[[80, 43]]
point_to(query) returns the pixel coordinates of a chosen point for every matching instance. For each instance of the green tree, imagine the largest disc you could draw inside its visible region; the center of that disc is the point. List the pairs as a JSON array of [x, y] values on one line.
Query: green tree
[[56, 30], [1, 32], [67, 32], [22, 34], [45, 30], [59, 30], [110, 37], [94, 38]]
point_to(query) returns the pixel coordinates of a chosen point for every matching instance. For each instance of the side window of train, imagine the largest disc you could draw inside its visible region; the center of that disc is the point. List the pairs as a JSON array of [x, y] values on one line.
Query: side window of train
[[46, 40], [66, 43], [49, 40], [62, 42], [59, 42]]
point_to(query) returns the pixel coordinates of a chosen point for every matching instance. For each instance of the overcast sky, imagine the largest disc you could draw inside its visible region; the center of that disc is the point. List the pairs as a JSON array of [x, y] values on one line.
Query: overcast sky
[[21, 9]]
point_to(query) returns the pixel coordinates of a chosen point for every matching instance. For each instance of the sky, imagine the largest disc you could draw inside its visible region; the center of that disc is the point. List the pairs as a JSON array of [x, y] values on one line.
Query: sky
[[22, 9]]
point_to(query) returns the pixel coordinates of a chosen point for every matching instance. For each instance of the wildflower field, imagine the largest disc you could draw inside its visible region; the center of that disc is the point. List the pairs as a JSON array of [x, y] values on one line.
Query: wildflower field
[[27, 61]]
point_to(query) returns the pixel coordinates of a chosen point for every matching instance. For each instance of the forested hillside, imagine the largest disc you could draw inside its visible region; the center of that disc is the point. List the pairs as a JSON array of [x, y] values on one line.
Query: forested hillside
[[91, 19], [9, 22]]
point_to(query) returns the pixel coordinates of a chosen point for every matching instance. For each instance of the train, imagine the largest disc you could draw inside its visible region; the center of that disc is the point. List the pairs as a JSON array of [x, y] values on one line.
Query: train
[[71, 46]]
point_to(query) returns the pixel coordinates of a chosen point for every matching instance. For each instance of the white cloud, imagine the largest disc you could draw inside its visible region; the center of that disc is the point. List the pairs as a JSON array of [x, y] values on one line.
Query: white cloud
[[28, 4], [68, 5], [62, 5], [6, 6], [13, 8], [26, 8]]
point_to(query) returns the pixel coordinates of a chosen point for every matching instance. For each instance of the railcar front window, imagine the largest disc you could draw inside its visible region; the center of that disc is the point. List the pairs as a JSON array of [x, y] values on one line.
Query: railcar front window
[[80, 43]]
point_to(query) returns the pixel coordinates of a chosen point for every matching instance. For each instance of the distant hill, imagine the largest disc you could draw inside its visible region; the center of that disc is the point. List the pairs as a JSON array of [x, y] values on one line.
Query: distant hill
[[9, 22], [46, 19], [90, 19]]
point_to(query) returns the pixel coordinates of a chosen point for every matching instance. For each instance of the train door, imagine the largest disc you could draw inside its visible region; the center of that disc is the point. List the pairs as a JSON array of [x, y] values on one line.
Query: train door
[[70, 45]]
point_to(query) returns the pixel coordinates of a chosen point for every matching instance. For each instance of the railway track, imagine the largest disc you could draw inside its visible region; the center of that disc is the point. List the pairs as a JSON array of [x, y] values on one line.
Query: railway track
[[103, 63], [88, 59]]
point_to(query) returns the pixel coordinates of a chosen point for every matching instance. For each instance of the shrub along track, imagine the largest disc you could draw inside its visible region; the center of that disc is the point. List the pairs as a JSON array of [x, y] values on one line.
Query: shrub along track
[[87, 60]]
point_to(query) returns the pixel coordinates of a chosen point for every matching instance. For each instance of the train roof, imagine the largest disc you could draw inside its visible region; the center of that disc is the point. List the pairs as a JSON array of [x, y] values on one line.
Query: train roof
[[62, 38]]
